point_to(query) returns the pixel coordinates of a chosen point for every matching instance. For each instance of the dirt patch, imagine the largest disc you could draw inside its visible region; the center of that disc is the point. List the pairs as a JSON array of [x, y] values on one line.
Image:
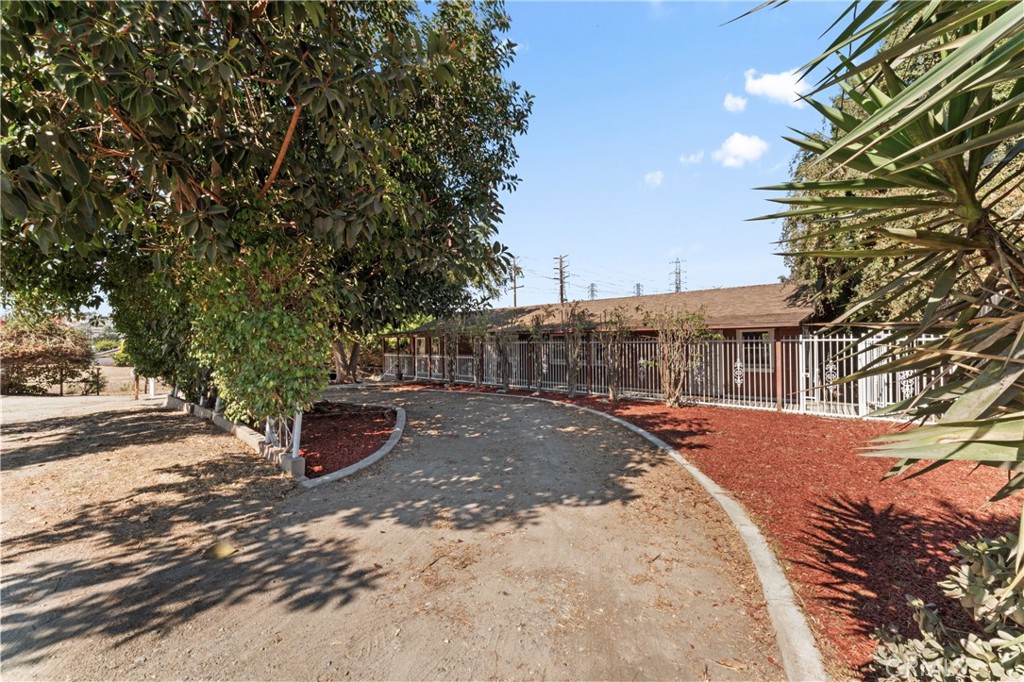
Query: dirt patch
[[335, 436], [498, 541], [852, 545]]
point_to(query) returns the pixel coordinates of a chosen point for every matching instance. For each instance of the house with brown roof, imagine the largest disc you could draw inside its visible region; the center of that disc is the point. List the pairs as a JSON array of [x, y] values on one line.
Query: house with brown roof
[[763, 311], [764, 353], [752, 320]]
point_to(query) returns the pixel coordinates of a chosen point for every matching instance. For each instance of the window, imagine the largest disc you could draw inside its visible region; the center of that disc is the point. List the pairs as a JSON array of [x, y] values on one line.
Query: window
[[757, 350]]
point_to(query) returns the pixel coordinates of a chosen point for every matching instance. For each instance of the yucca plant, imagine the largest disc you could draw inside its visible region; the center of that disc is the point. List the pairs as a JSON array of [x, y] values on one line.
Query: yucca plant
[[930, 150]]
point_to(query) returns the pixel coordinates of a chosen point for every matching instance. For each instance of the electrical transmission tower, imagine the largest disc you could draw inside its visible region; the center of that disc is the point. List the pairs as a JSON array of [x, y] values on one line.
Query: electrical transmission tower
[[678, 272], [562, 276], [592, 290], [638, 289]]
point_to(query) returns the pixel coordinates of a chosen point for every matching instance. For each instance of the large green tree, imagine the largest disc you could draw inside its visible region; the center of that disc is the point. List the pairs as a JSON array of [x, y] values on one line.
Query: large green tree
[[267, 169]]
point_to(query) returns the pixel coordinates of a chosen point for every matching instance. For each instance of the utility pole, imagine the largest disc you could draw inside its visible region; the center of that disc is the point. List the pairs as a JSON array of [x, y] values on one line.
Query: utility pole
[[515, 283], [638, 289], [561, 278], [678, 272], [592, 290]]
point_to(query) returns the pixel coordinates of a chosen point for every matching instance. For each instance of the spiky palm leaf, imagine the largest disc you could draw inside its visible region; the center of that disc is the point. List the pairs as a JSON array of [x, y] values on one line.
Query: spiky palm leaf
[[938, 185]]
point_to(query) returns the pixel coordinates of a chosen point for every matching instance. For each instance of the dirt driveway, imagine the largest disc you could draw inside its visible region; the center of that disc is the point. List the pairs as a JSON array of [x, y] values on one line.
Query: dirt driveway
[[502, 538]]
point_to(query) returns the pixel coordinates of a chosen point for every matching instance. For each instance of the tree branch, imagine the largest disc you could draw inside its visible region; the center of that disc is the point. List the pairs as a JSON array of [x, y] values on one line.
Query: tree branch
[[283, 150]]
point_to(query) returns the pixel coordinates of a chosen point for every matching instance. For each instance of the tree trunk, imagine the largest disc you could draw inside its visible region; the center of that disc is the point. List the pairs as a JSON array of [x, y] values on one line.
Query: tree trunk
[[338, 358], [346, 365], [353, 362]]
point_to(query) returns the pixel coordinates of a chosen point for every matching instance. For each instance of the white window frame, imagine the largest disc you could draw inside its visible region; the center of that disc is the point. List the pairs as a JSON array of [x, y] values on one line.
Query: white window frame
[[752, 366]]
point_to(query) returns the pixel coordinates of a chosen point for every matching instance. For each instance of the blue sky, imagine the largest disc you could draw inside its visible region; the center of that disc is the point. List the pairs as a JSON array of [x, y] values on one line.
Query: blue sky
[[633, 158]]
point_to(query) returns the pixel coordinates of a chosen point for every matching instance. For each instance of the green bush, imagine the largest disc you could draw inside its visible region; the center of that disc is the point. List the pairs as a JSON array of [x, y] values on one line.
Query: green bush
[[122, 359], [106, 344], [984, 584], [266, 331]]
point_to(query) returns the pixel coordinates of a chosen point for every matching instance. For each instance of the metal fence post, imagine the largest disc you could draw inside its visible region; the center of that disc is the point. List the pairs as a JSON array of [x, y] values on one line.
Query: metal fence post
[[801, 363], [777, 371], [296, 433], [863, 384]]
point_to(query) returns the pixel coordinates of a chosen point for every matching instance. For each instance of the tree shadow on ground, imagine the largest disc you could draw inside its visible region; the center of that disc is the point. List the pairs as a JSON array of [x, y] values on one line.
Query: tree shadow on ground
[[871, 557], [132, 564], [75, 436], [499, 460], [673, 427]]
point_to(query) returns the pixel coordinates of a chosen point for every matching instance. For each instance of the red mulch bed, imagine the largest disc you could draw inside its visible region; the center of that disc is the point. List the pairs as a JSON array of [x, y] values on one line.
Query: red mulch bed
[[852, 545], [335, 436]]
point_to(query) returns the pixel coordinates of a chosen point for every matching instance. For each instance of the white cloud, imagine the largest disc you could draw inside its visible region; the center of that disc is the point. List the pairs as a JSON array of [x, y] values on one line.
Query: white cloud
[[654, 178], [739, 150], [658, 8], [695, 158], [785, 87], [734, 103]]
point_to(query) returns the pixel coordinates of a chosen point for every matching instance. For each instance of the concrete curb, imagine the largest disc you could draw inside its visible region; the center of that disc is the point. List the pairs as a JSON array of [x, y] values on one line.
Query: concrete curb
[[294, 466], [800, 656], [396, 435]]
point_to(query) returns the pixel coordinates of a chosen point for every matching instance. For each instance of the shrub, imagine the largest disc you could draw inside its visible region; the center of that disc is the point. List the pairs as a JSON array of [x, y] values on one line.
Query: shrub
[[92, 382], [122, 359], [39, 352], [102, 345], [984, 584]]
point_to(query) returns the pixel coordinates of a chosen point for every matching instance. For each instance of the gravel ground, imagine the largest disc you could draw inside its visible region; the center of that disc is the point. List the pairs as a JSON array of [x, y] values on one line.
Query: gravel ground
[[501, 539]]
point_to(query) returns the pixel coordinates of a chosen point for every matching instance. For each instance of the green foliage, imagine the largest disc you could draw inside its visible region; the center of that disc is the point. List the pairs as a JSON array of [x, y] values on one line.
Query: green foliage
[[141, 138], [984, 584], [575, 323], [102, 345], [503, 338], [268, 337], [451, 331], [615, 329], [38, 352], [832, 285], [154, 309], [933, 192], [679, 336], [122, 359]]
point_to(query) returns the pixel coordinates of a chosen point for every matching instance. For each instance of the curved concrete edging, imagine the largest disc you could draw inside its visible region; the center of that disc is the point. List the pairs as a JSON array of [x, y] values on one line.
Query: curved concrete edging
[[396, 435], [800, 656]]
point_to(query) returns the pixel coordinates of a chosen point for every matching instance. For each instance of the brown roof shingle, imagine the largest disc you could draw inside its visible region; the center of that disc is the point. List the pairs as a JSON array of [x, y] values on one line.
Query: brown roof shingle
[[762, 305]]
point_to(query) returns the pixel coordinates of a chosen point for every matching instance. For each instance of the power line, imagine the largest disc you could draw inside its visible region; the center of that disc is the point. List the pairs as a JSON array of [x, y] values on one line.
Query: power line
[[592, 291], [638, 289]]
